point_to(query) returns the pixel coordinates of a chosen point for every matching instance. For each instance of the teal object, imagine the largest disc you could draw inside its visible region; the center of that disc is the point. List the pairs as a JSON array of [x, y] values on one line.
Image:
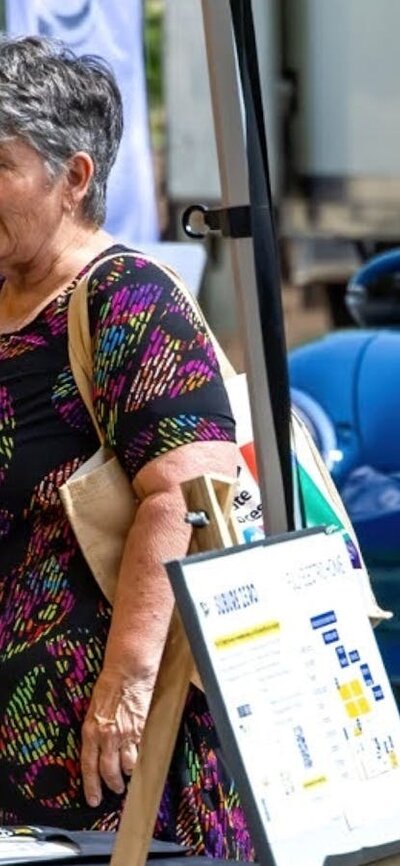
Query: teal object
[[353, 377]]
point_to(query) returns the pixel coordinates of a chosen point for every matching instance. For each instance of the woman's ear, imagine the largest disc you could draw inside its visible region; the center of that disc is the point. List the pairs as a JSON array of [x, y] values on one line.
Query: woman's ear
[[78, 174]]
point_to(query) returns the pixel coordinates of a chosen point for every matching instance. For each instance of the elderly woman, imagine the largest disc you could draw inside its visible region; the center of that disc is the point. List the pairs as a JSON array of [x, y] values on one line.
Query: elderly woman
[[76, 676]]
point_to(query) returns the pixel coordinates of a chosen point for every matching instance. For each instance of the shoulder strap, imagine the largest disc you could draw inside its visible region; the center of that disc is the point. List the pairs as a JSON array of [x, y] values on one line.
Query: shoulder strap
[[79, 339]]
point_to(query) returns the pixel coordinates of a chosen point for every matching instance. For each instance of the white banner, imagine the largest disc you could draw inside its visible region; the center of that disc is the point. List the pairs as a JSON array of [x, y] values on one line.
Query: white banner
[[112, 30]]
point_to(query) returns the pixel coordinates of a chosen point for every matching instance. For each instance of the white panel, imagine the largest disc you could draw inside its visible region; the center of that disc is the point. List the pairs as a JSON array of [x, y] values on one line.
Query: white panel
[[348, 58], [191, 160]]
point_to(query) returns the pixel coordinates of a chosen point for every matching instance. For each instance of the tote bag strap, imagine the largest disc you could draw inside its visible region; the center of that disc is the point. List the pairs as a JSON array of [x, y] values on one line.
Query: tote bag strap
[[79, 339]]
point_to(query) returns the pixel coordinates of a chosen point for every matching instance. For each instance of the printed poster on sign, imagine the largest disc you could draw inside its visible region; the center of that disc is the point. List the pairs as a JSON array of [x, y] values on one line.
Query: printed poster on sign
[[301, 699]]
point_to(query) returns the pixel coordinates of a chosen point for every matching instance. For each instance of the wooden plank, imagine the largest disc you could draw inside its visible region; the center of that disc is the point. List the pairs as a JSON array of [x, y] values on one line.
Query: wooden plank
[[213, 496]]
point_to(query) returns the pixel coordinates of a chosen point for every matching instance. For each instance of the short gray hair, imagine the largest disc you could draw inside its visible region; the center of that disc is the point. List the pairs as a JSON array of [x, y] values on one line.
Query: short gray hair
[[60, 103]]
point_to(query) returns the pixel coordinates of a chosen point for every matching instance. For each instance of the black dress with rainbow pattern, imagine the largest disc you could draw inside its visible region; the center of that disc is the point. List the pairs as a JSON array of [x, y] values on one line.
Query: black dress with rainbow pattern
[[156, 386]]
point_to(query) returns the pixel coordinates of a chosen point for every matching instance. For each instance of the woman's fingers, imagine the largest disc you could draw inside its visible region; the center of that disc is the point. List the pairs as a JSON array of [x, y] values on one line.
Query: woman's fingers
[[110, 763], [111, 733], [128, 752], [105, 757], [90, 769]]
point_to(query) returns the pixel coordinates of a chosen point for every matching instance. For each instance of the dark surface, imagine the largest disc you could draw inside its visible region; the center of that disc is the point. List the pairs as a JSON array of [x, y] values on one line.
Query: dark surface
[[91, 847], [365, 856]]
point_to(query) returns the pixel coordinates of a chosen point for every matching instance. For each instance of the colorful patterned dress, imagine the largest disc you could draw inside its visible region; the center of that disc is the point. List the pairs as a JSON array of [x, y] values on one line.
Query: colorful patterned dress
[[156, 386]]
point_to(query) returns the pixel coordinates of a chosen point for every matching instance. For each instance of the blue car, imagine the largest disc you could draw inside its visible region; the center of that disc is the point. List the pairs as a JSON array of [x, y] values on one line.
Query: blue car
[[346, 387]]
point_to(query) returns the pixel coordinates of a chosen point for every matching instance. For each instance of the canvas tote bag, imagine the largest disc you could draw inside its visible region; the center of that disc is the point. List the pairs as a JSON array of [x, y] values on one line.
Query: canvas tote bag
[[98, 498]]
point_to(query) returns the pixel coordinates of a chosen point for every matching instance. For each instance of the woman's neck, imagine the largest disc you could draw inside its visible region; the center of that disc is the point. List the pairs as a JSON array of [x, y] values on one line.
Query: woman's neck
[[54, 265]]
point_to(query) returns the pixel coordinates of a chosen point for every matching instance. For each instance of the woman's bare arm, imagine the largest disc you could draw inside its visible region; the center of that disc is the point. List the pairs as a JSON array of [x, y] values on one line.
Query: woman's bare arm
[[142, 612]]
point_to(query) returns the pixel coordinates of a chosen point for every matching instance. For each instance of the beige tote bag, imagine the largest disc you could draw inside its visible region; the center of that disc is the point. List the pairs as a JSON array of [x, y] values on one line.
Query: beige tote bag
[[98, 498]]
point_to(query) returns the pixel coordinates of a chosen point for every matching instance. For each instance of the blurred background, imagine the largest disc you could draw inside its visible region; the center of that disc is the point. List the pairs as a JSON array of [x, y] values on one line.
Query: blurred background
[[330, 73]]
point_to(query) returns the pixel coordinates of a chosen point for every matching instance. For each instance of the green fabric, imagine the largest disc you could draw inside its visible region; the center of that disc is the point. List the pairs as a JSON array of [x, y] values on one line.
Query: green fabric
[[316, 509]]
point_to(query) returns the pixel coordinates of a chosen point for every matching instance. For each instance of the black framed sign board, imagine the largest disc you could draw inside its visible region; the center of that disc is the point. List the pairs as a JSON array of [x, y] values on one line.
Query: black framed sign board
[[301, 700]]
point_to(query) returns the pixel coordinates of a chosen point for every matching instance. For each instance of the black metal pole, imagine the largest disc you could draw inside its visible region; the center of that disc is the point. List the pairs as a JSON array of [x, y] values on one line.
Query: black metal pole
[[244, 173]]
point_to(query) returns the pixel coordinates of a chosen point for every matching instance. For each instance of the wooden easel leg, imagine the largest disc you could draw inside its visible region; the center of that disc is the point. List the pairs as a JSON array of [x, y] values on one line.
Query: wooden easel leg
[[213, 496]]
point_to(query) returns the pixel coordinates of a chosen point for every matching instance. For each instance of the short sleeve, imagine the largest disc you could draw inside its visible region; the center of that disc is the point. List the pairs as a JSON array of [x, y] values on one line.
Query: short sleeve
[[156, 379]]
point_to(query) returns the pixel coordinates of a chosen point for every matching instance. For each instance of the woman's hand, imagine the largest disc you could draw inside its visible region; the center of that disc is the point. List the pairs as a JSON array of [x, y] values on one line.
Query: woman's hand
[[112, 732]]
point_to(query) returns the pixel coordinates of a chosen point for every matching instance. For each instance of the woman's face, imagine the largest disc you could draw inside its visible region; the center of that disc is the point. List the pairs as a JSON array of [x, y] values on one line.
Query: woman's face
[[32, 205]]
